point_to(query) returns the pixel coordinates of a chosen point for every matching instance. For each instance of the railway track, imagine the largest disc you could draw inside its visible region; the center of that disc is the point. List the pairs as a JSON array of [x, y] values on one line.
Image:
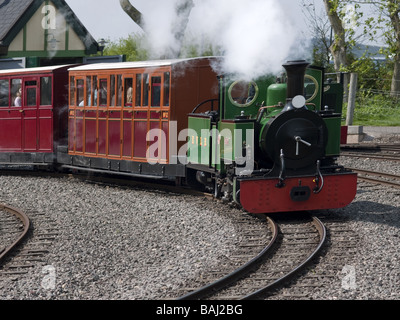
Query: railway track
[[382, 178], [14, 227], [376, 152], [35, 238], [292, 245], [371, 147], [375, 156], [372, 151]]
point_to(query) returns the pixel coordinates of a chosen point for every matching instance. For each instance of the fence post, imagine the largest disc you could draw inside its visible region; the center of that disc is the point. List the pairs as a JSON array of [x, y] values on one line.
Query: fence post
[[344, 79], [352, 99]]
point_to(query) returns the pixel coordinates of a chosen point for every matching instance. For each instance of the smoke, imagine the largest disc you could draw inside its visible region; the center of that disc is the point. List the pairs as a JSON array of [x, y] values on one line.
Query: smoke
[[159, 18], [254, 36]]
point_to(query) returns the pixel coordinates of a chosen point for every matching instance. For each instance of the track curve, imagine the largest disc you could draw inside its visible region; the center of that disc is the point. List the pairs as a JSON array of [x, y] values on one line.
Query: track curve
[[238, 273], [26, 223]]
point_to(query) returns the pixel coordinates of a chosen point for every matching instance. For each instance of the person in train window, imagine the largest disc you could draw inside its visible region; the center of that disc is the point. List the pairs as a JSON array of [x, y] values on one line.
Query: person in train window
[[129, 96], [18, 99]]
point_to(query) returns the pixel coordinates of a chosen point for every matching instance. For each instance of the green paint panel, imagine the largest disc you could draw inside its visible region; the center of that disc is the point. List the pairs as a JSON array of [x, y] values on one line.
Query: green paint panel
[[199, 143], [313, 86], [334, 127], [232, 138]]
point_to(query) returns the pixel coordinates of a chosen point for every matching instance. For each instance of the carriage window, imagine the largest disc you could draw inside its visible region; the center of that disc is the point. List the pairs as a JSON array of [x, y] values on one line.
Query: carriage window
[[167, 84], [89, 91], [138, 101], [16, 92], [155, 91], [45, 91], [145, 90], [103, 92], [112, 90], [4, 93], [119, 90], [94, 90], [72, 91], [31, 97], [128, 91], [80, 95]]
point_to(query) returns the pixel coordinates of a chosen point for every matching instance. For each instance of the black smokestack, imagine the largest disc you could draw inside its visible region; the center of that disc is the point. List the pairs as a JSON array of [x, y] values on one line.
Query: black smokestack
[[295, 71]]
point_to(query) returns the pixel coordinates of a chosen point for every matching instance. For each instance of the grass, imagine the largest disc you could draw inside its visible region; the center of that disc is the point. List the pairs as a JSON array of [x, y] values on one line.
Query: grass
[[376, 110]]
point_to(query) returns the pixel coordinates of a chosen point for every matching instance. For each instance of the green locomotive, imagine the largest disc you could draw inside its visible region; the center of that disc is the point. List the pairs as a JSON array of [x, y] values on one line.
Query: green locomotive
[[272, 145]]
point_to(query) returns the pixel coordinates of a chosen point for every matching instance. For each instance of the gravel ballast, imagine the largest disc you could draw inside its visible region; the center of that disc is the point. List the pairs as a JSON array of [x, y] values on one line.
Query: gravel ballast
[[117, 243], [122, 243]]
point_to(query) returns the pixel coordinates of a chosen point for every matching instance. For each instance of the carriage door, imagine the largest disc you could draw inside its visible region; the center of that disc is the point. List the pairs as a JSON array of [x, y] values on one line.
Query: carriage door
[[29, 115], [158, 139]]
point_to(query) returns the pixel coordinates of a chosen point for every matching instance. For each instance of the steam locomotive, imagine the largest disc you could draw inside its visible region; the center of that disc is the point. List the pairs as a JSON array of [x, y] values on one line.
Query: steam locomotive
[[267, 145]]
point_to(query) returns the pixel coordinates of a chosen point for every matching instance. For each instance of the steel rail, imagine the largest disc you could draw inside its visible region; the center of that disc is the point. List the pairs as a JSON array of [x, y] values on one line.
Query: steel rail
[[371, 156], [322, 232], [24, 219], [380, 174], [372, 147], [238, 273]]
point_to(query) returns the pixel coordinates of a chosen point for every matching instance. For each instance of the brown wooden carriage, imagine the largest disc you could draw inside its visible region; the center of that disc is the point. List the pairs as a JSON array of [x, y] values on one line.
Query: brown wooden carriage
[[114, 107]]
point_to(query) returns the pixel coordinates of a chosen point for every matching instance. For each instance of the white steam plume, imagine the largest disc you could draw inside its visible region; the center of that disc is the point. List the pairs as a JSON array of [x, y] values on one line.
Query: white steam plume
[[254, 36]]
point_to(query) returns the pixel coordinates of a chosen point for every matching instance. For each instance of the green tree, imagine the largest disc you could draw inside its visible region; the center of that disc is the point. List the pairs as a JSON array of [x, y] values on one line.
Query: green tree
[[132, 47], [388, 20]]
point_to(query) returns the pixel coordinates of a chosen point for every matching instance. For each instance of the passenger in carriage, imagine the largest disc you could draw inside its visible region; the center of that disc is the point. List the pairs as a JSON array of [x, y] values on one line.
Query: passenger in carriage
[[18, 98], [129, 96]]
